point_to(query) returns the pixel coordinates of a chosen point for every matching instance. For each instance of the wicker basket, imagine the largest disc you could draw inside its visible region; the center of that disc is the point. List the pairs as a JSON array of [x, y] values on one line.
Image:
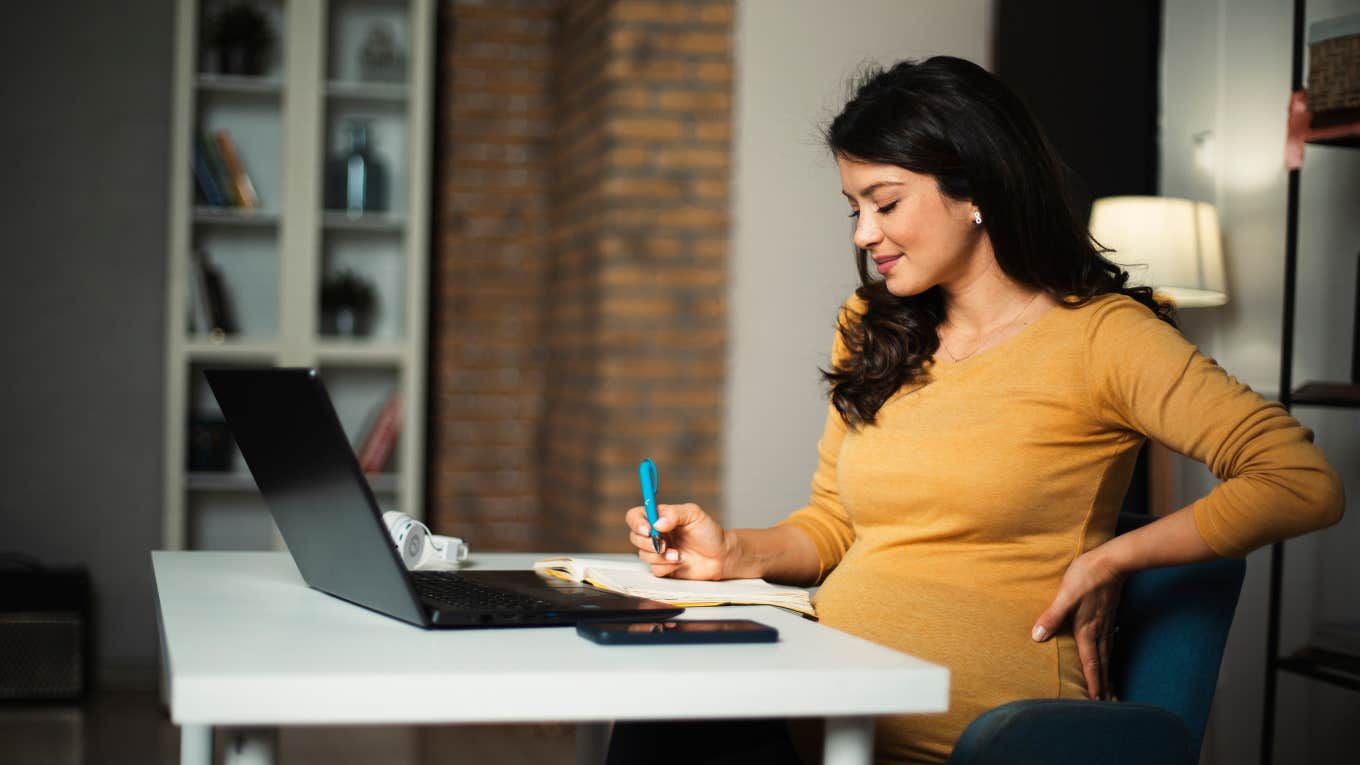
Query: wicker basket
[[1334, 66]]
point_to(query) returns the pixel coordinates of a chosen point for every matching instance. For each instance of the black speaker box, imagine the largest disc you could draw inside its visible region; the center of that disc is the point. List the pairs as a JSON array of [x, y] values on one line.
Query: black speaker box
[[45, 634]]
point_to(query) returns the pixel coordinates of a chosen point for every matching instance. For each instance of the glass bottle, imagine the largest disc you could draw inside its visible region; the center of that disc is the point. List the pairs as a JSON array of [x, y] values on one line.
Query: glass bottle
[[356, 181]]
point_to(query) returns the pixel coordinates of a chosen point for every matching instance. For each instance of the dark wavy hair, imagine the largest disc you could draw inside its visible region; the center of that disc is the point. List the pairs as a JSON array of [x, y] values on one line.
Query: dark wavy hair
[[951, 119]]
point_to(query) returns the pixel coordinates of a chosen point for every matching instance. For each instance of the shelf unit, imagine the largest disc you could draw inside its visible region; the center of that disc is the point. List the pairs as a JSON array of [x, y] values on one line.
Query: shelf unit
[[287, 123], [1336, 669]]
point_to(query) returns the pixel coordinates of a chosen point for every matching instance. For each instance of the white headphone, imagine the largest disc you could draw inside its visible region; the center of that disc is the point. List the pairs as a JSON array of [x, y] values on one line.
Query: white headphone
[[417, 545]]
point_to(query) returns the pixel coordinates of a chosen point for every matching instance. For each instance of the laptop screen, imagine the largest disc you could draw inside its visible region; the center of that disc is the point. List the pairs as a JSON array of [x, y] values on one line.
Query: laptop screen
[[292, 440]]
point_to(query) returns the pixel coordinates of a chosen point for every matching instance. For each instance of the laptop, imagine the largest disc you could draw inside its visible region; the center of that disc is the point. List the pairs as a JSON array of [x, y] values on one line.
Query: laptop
[[295, 447]]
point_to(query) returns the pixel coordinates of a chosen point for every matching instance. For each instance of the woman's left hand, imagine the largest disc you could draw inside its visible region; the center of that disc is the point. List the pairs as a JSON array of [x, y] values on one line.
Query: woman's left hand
[[1089, 595]]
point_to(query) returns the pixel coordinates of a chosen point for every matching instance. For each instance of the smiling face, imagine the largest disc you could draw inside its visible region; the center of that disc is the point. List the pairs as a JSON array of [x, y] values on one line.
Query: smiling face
[[918, 237]]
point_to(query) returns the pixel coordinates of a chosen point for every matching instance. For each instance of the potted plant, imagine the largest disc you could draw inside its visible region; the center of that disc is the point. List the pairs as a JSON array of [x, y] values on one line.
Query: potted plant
[[241, 35], [347, 304]]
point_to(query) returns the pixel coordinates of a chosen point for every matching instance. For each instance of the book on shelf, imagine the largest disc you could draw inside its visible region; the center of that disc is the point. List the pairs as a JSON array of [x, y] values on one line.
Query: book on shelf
[[633, 578], [239, 180], [377, 447], [200, 319], [208, 190], [217, 168], [212, 310], [220, 172]]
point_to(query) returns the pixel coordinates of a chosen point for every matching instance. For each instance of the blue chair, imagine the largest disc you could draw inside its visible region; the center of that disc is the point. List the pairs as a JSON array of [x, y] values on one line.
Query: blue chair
[[1173, 623]]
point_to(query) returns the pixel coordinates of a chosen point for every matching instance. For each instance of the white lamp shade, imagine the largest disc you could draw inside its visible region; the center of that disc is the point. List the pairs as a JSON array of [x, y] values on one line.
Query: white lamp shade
[[1171, 245]]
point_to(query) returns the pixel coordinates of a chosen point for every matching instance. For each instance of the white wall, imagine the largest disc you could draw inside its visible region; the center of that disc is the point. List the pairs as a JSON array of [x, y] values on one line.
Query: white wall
[[791, 264], [1226, 70]]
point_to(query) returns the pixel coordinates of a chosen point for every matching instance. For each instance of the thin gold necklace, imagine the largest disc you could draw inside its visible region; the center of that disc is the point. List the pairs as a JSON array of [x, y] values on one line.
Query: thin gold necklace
[[983, 341]]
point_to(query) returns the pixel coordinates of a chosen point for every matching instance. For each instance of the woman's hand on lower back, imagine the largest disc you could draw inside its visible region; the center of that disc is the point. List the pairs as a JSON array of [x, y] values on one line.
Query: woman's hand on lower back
[[1088, 597], [693, 544]]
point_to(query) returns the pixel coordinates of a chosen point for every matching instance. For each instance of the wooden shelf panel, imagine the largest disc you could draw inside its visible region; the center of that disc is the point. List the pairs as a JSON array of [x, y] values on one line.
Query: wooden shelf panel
[[235, 216], [1338, 394], [1351, 141], [368, 92], [239, 85], [1343, 132], [203, 348], [338, 351], [384, 483], [1335, 668], [335, 220]]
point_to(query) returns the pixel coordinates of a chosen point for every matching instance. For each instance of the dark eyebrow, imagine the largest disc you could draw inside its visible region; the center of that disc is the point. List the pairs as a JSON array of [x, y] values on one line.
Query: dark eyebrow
[[871, 188]]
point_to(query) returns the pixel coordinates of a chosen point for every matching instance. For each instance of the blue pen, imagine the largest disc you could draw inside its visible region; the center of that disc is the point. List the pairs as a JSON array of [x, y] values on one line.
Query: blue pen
[[647, 475]]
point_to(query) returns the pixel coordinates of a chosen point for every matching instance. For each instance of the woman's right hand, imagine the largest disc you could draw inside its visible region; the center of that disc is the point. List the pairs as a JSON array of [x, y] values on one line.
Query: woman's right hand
[[693, 545]]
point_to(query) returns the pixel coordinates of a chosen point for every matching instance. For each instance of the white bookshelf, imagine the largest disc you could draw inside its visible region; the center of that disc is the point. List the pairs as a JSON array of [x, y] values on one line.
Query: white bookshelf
[[286, 123], [239, 84]]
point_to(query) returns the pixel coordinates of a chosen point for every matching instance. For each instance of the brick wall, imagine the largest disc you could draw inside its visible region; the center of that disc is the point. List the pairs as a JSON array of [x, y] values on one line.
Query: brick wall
[[492, 181], [579, 304], [572, 427]]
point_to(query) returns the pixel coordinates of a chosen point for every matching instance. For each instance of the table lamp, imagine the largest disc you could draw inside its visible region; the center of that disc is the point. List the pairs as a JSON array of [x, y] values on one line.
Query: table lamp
[[1175, 247], [1172, 245]]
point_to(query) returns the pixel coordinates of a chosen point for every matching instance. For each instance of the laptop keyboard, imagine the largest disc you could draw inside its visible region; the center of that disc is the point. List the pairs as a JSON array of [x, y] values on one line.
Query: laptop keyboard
[[467, 595]]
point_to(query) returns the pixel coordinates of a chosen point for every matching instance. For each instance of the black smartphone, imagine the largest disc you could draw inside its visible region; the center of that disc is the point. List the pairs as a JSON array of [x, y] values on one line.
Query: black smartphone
[[681, 631]]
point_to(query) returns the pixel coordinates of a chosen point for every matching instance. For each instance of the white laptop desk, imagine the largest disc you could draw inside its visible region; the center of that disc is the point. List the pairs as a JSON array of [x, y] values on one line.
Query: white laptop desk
[[246, 643]]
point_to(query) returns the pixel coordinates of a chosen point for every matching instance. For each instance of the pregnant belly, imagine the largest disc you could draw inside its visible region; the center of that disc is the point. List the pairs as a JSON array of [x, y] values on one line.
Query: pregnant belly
[[980, 630]]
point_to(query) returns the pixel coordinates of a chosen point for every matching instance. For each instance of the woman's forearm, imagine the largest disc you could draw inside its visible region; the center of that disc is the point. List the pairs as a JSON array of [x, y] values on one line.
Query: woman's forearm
[[1168, 541], [782, 554]]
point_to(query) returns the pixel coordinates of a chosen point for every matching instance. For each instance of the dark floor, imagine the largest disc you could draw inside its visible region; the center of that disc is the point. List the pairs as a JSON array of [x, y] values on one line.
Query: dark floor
[[130, 728]]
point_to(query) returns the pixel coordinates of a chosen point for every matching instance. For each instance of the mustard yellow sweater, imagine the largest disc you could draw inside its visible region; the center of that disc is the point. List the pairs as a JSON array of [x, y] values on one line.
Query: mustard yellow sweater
[[944, 529]]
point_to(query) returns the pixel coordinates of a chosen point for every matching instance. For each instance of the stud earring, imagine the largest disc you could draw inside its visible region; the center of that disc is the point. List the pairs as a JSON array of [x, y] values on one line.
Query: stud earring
[[977, 217]]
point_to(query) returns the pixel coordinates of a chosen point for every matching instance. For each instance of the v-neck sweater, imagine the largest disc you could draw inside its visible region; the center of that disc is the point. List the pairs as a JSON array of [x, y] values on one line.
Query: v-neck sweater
[[944, 529]]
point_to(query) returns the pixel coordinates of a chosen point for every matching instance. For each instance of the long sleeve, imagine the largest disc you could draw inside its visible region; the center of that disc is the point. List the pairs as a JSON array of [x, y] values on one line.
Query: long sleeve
[[824, 518], [1144, 376], [951, 521]]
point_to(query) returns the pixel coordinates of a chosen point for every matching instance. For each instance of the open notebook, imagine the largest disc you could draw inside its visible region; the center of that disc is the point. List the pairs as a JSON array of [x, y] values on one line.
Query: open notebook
[[633, 578]]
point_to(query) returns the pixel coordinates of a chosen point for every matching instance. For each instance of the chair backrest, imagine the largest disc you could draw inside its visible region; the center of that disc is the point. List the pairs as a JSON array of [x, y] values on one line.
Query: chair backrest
[[1173, 624]]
